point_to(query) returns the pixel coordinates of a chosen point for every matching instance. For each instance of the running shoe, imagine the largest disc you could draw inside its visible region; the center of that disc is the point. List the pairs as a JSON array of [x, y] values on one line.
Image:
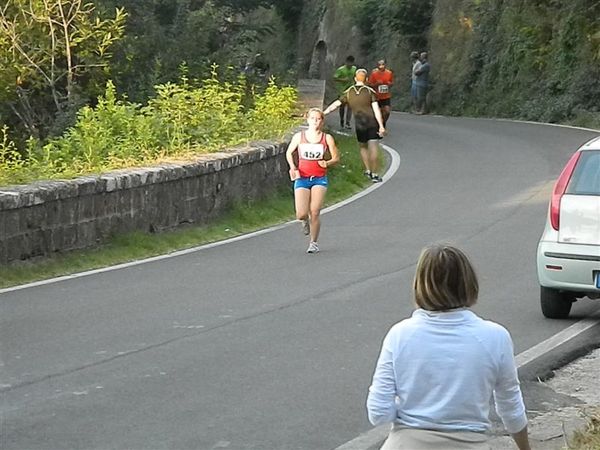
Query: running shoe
[[348, 126], [367, 173], [376, 178], [306, 227], [312, 248]]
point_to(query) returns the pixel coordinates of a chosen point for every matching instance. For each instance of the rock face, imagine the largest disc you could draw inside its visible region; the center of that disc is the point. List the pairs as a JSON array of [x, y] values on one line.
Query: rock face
[[327, 36], [329, 33], [509, 58]]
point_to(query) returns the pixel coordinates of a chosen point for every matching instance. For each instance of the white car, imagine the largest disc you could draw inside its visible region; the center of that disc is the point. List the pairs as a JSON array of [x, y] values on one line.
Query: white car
[[568, 254]]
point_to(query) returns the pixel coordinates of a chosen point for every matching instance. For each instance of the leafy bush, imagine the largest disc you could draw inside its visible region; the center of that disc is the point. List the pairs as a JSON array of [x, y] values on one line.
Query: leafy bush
[[182, 121], [211, 116], [274, 102], [10, 158]]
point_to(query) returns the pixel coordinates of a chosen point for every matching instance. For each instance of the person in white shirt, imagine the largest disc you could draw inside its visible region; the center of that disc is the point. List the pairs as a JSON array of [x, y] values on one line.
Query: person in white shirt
[[438, 369]]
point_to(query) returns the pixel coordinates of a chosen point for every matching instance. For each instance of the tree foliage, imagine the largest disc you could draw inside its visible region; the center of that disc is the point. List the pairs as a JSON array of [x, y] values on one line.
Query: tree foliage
[[538, 60], [49, 70], [163, 34], [384, 23], [52, 53]]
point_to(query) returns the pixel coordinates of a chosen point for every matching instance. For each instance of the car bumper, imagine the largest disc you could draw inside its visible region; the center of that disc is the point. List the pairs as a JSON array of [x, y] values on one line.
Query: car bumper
[[579, 266]]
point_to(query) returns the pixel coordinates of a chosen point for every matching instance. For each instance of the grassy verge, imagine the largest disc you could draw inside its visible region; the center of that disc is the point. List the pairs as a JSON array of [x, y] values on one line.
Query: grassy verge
[[588, 438], [345, 180]]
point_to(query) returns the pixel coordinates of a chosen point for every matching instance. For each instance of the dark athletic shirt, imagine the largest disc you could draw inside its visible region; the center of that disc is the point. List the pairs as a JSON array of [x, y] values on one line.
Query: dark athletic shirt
[[360, 98]]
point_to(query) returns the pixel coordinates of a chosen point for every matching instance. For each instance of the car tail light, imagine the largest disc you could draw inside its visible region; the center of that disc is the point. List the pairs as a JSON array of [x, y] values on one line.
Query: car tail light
[[559, 189]]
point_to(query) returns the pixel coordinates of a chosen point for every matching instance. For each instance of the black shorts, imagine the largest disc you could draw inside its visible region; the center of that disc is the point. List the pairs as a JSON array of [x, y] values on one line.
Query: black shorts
[[365, 135], [385, 102]]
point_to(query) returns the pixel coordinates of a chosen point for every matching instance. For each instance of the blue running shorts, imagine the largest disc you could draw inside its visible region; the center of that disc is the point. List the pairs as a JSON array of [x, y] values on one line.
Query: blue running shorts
[[309, 182]]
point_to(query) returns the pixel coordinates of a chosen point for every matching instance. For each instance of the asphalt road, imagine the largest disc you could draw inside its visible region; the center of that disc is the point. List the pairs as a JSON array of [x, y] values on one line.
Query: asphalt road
[[257, 345]]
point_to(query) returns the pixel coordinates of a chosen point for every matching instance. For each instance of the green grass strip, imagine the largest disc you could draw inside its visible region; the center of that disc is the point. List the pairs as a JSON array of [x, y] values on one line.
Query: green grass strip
[[345, 180]]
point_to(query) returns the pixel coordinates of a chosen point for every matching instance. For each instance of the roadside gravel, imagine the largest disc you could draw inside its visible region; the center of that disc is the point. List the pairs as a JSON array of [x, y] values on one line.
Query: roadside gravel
[[552, 430]]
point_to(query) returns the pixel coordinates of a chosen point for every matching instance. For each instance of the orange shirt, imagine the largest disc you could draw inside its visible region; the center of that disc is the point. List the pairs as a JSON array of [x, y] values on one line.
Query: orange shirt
[[381, 81]]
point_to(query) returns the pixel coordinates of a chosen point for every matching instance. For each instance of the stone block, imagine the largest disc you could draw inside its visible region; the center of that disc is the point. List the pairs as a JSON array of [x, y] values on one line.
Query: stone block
[[103, 228], [86, 208], [35, 243], [55, 239], [86, 186], [124, 201], [69, 237], [110, 183], [46, 241], [46, 191], [86, 234], [3, 252], [135, 179], [9, 223], [15, 248], [32, 218], [154, 175], [69, 211], [9, 199], [111, 203]]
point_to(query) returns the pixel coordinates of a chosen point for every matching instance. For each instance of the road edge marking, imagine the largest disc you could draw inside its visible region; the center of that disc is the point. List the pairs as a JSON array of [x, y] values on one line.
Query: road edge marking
[[533, 353]]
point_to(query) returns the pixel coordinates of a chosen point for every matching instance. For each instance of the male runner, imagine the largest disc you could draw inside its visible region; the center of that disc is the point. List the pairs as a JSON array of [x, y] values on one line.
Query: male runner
[[367, 120], [344, 78], [381, 80]]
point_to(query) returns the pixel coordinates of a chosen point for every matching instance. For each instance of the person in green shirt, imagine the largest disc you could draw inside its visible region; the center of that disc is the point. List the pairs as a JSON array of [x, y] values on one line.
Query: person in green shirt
[[344, 79]]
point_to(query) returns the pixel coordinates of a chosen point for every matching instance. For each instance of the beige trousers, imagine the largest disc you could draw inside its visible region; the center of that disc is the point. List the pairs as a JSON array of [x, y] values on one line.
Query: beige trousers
[[403, 438]]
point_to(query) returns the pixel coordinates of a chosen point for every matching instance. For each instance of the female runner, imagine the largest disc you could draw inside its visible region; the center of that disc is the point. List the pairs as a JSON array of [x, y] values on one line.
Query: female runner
[[310, 174]]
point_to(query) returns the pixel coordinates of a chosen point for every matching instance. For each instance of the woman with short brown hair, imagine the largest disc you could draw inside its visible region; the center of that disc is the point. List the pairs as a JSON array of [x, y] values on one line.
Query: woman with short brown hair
[[445, 279], [438, 369]]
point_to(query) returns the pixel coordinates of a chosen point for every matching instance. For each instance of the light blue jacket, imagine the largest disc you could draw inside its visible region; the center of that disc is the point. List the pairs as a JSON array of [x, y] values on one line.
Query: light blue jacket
[[439, 370]]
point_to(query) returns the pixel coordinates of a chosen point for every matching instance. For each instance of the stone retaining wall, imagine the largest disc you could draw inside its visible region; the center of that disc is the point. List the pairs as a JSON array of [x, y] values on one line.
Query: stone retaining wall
[[47, 217]]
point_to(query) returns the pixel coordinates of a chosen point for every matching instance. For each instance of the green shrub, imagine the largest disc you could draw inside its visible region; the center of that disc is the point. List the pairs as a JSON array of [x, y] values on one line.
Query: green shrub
[[114, 134], [10, 158], [271, 106], [183, 120]]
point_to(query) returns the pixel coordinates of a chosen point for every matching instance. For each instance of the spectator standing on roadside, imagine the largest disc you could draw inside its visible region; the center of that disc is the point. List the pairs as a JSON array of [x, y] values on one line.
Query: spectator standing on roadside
[[310, 174], [343, 79], [422, 83], [415, 64], [381, 80], [368, 121], [438, 370]]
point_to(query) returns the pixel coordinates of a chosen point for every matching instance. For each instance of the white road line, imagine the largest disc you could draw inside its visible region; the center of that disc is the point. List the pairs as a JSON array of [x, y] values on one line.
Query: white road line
[[500, 119], [394, 165], [559, 125], [551, 343], [377, 435]]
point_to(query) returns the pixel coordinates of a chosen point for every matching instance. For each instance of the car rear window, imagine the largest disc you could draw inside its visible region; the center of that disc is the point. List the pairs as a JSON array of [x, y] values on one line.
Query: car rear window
[[586, 176]]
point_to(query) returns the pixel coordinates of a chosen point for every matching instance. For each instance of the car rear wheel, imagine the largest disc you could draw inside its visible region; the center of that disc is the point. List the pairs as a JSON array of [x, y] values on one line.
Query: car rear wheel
[[555, 304]]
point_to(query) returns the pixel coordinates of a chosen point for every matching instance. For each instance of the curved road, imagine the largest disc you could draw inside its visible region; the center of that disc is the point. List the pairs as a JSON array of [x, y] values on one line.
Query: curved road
[[256, 345]]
